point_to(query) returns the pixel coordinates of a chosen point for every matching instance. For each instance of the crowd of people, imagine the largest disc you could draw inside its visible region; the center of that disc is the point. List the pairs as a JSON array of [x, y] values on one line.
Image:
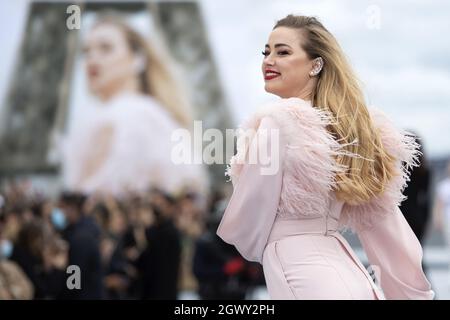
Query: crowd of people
[[155, 246]]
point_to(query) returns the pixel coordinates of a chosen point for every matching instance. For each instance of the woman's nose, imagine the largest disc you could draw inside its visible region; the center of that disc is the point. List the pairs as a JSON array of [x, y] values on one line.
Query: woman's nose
[[268, 61]]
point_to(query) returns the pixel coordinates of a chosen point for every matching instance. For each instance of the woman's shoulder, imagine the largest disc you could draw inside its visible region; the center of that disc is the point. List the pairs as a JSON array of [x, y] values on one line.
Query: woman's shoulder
[[309, 150], [140, 108], [293, 116], [302, 128]]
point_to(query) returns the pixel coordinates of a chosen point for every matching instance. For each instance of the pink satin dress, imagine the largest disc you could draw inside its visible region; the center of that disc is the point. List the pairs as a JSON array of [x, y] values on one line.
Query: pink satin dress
[[306, 257], [309, 259]]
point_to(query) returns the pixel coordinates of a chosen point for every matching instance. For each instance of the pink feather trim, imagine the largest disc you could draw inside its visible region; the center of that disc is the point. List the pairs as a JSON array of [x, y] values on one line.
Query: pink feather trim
[[402, 146], [309, 165]]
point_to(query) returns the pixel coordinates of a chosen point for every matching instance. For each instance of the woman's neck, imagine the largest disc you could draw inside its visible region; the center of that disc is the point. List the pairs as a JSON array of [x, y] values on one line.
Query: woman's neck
[[128, 87]]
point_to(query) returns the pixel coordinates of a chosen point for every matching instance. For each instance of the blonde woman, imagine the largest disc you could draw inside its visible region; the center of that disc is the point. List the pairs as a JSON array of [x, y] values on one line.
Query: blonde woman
[[125, 145], [339, 167]]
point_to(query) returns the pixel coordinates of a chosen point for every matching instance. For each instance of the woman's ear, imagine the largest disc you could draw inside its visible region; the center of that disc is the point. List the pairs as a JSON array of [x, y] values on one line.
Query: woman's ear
[[317, 66]]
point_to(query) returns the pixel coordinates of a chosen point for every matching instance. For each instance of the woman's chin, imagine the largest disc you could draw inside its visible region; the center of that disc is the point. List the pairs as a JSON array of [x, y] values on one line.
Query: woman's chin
[[100, 91], [94, 87], [271, 89]]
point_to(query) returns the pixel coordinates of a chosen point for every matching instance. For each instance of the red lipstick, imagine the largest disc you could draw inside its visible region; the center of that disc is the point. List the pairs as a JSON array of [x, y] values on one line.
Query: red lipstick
[[271, 74]]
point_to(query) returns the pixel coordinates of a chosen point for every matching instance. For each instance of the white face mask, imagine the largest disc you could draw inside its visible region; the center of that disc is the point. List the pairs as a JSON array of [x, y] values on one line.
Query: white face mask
[[6, 249]]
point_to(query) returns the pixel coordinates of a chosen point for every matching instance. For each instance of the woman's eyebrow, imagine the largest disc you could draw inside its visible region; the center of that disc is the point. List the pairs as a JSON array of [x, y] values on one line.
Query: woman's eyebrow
[[279, 45]]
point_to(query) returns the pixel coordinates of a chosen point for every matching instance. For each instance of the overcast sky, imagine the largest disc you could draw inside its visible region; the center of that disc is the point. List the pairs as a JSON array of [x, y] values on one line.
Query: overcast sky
[[400, 50]]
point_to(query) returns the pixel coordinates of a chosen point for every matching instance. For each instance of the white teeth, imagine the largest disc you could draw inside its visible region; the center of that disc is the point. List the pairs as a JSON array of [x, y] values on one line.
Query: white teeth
[[272, 74]]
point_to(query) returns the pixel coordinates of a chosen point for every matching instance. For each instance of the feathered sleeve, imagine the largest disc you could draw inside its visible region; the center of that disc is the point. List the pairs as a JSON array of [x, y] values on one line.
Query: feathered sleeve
[[391, 246], [251, 211]]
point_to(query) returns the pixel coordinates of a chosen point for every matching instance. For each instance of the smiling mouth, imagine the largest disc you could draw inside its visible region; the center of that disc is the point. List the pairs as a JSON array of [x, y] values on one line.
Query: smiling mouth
[[269, 75]]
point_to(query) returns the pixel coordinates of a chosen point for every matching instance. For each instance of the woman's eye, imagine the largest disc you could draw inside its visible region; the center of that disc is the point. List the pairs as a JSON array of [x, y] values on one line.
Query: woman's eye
[[105, 47], [280, 53]]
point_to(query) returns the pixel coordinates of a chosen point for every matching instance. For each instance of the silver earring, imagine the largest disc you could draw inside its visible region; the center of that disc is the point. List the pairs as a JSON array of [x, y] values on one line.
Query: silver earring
[[319, 65]]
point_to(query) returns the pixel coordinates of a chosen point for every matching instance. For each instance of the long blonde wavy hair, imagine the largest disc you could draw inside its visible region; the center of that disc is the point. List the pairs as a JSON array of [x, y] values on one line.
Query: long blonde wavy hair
[[338, 92], [158, 79]]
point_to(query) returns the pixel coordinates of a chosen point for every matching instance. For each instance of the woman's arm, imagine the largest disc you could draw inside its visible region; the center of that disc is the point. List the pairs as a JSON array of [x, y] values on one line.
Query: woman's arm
[[395, 252], [251, 211]]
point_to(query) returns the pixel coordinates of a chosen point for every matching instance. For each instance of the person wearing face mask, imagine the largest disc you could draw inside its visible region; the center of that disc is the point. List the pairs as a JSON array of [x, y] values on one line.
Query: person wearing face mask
[[334, 164], [30, 253], [6, 246], [125, 145], [14, 283]]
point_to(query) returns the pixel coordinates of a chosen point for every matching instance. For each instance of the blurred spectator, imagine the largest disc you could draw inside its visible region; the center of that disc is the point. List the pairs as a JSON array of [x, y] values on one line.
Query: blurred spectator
[[30, 253], [416, 207], [14, 284], [122, 278], [221, 271], [442, 205], [159, 263], [83, 237], [190, 220], [442, 208]]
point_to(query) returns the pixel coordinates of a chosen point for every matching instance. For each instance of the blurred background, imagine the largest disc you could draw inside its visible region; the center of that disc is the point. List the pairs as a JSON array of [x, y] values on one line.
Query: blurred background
[[90, 92]]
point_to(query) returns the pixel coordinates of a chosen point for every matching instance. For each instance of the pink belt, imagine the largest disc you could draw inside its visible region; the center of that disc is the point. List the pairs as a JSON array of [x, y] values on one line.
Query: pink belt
[[326, 226], [290, 227]]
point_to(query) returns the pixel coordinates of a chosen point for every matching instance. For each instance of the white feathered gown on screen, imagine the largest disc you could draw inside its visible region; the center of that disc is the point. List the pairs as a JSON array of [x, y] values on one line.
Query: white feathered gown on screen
[[125, 146]]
